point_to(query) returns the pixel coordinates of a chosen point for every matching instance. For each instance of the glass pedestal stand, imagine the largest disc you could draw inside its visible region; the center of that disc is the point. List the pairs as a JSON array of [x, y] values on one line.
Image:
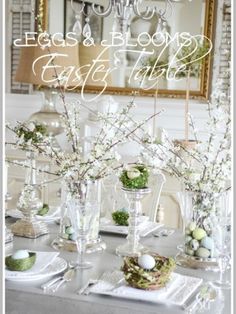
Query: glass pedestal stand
[[132, 247], [29, 203]]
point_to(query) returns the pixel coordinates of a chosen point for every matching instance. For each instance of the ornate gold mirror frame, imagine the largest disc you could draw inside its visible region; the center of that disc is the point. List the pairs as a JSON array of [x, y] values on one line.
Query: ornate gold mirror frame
[[42, 25]]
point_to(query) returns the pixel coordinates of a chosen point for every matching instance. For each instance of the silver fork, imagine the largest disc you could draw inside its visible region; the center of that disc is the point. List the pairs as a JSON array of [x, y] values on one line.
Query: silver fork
[[85, 290]]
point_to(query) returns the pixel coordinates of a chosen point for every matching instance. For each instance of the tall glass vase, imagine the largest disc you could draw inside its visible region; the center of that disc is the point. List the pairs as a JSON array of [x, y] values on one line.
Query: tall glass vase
[[200, 213], [88, 192], [29, 204]]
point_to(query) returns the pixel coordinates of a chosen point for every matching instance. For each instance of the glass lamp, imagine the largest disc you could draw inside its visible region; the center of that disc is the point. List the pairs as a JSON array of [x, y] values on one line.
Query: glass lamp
[[31, 69]]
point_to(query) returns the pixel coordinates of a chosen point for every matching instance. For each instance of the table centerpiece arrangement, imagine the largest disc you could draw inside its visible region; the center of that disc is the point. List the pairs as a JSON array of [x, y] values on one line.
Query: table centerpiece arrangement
[[204, 172], [82, 172]]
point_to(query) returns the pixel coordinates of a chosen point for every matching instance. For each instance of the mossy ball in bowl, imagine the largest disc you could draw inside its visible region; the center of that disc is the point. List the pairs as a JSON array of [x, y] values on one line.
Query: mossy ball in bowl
[[16, 262], [148, 272], [135, 177]]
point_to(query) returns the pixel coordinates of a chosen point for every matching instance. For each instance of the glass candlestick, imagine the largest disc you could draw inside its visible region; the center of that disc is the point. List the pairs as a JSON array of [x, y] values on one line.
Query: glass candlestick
[[132, 247], [29, 204]]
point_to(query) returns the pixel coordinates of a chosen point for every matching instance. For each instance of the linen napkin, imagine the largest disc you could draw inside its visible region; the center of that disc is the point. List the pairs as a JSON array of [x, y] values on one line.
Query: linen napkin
[[145, 227], [176, 292], [43, 259]]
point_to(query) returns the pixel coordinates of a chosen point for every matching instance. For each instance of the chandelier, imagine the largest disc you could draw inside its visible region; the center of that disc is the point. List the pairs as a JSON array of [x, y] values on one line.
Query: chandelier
[[122, 11]]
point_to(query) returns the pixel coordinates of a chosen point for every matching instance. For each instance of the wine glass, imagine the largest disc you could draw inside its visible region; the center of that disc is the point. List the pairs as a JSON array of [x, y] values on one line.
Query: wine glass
[[81, 216]]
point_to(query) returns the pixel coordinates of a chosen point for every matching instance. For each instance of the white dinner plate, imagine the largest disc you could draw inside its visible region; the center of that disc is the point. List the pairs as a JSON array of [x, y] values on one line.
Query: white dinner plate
[[57, 266], [52, 215], [144, 228]]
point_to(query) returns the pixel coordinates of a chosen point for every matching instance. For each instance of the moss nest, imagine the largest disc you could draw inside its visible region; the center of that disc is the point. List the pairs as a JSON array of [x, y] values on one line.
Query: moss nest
[[153, 279], [136, 177], [21, 264]]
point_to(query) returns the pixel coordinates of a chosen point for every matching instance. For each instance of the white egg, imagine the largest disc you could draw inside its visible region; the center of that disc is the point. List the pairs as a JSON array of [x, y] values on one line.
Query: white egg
[[20, 254], [146, 262], [133, 173]]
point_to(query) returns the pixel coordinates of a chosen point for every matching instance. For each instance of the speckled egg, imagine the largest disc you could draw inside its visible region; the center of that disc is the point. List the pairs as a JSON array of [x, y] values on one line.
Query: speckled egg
[[189, 251], [187, 231], [69, 230], [20, 254], [194, 244], [199, 233], [146, 262], [73, 237], [207, 243], [133, 173], [192, 226], [187, 239], [203, 252]]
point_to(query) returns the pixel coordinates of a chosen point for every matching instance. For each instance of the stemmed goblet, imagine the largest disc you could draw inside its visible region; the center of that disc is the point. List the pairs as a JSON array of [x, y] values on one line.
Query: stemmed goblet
[[81, 216]]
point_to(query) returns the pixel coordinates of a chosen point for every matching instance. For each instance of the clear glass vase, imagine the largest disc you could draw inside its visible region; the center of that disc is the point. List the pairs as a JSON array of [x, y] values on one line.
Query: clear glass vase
[[201, 212], [88, 192]]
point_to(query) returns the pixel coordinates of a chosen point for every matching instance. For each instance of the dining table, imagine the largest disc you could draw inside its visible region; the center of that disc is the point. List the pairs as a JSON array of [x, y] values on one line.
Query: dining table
[[30, 298]]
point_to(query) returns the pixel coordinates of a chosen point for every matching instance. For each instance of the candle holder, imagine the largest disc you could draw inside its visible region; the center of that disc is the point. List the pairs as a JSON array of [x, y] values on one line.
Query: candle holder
[[29, 203], [132, 247]]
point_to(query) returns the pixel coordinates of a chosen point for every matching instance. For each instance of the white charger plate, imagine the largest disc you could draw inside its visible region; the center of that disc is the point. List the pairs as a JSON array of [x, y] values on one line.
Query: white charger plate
[[52, 215], [177, 291], [57, 266]]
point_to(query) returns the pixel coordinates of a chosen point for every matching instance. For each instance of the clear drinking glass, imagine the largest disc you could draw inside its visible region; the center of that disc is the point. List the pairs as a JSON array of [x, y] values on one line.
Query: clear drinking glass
[[81, 216]]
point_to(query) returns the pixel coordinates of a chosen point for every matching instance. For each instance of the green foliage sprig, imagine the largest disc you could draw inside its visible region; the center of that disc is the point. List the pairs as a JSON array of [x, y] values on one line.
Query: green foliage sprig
[[35, 135]]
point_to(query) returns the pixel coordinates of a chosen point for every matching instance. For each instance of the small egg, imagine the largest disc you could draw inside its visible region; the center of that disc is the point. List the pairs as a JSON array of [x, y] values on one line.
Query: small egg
[[192, 226], [69, 230], [199, 233], [203, 252], [189, 251], [20, 254], [146, 262], [194, 244], [187, 231], [207, 243], [73, 237], [133, 173], [187, 239]]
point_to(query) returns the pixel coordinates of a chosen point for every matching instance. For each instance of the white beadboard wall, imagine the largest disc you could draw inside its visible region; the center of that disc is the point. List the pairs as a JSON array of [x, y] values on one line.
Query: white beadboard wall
[[20, 107]]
